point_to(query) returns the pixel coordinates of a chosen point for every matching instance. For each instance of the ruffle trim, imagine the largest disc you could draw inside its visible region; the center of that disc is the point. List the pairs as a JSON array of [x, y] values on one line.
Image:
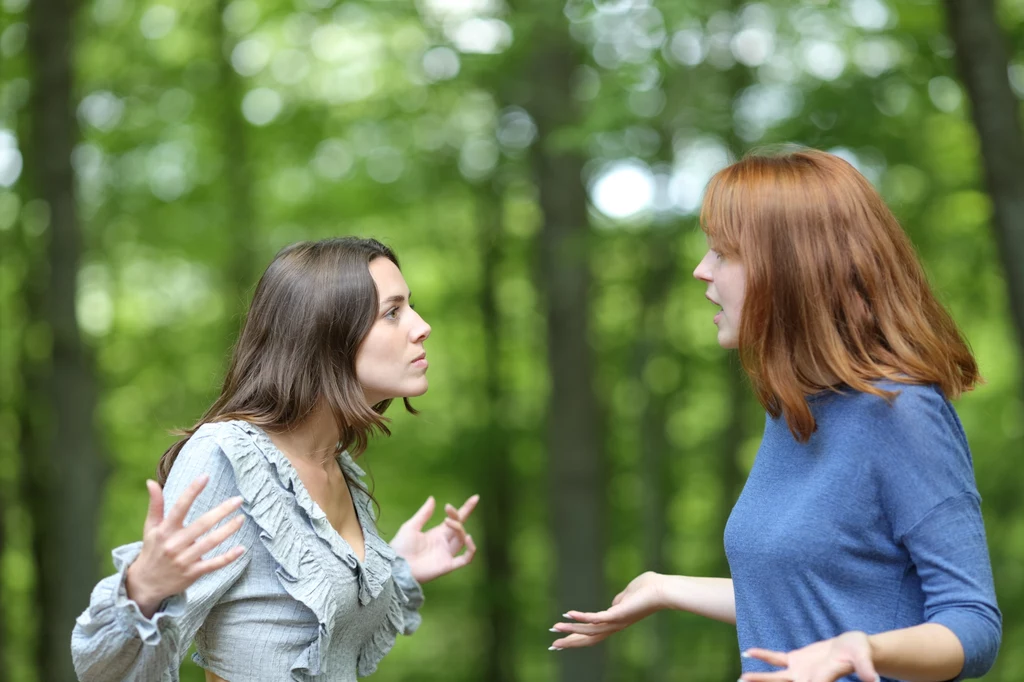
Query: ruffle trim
[[269, 485], [128, 613]]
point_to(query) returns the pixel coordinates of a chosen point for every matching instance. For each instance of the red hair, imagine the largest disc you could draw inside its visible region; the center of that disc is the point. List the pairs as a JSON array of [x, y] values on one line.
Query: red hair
[[834, 290]]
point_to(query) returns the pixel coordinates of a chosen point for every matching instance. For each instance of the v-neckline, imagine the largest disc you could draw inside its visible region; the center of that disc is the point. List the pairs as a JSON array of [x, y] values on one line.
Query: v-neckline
[[298, 484]]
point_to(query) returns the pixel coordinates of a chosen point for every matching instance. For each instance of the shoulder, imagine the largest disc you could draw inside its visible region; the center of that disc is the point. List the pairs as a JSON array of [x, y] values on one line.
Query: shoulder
[[914, 406], [213, 450]]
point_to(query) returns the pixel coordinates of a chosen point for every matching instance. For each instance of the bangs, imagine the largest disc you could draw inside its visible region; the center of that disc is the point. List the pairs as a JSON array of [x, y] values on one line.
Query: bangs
[[720, 214]]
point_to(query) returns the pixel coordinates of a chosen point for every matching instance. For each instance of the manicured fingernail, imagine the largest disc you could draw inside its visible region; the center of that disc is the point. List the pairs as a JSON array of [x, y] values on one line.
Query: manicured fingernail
[[554, 648], [746, 654], [553, 630], [566, 615]]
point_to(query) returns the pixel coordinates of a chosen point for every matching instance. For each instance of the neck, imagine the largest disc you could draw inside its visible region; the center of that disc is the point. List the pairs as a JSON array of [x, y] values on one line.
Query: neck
[[314, 439]]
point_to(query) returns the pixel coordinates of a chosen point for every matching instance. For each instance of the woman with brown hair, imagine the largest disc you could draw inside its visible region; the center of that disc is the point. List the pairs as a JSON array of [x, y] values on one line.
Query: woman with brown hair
[[297, 585], [857, 545]]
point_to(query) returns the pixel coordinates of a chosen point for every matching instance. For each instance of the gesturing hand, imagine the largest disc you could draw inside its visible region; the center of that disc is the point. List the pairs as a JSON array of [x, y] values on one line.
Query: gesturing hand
[[642, 597], [171, 556], [824, 661], [436, 552]]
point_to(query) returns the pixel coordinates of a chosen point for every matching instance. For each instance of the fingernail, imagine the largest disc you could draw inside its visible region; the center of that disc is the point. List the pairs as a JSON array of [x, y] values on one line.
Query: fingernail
[[566, 615], [553, 630], [554, 648], [745, 654]]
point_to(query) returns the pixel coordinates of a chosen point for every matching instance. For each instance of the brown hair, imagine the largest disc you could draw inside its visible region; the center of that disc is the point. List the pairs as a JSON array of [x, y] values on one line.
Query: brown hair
[[312, 308], [834, 288]]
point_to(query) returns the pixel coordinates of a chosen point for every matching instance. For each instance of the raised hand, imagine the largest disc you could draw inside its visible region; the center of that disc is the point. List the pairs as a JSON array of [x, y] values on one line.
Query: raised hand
[[171, 556], [435, 552], [824, 661], [642, 597]]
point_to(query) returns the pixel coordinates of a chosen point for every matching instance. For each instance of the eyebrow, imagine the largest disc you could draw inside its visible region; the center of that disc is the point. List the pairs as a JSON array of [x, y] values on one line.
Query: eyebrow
[[394, 299]]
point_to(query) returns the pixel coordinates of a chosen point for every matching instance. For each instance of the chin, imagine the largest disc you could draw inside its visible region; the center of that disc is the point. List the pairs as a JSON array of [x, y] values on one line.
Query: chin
[[417, 390]]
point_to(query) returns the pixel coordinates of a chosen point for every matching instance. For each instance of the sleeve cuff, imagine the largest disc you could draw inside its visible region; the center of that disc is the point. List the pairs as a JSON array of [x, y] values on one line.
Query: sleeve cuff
[[128, 613], [979, 636]]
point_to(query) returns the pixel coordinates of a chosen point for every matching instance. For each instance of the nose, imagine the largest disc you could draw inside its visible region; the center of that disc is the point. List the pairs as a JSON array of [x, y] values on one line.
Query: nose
[[703, 269], [420, 329]]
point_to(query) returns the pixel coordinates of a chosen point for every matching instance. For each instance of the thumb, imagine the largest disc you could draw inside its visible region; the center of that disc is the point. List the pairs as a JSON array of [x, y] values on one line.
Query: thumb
[[422, 515], [864, 666], [155, 513]]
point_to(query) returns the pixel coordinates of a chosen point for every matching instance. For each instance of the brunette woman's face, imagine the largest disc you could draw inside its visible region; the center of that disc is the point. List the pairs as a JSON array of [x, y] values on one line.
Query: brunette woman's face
[[391, 361], [726, 284]]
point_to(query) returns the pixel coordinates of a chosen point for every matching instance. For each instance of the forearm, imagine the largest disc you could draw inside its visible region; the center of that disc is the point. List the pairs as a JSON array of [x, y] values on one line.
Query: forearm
[[923, 653], [709, 597]]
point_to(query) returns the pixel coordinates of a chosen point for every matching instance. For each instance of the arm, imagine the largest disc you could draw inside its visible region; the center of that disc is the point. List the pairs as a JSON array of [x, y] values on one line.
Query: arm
[[118, 637], [646, 594], [923, 652], [709, 597]]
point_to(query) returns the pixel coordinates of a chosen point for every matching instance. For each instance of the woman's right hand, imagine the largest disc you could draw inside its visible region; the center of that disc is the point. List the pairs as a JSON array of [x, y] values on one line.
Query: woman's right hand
[[172, 553], [642, 597]]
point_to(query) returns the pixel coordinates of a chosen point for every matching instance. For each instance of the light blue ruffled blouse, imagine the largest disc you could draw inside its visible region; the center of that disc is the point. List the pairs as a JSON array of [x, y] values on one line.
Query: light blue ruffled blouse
[[297, 605]]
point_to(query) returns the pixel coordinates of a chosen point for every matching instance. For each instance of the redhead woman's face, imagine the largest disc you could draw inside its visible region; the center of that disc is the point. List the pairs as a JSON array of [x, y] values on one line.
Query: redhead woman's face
[[726, 280], [391, 361]]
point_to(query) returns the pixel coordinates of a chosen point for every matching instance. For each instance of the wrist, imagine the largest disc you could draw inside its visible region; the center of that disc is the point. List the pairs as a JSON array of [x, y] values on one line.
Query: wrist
[[661, 592], [145, 599]]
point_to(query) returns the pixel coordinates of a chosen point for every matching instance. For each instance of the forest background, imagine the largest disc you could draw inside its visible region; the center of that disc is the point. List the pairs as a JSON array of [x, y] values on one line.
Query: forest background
[[538, 166]]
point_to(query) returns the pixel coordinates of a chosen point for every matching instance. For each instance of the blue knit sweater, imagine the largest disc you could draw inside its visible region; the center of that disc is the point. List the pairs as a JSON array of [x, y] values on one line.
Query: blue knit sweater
[[873, 525]]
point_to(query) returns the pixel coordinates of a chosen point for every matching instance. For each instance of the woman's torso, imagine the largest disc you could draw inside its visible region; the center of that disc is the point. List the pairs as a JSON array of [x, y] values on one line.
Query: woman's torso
[[815, 540], [305, 603]]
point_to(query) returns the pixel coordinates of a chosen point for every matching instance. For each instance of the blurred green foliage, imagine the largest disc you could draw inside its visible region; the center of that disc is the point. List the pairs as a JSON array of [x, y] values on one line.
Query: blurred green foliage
[[400, 121]]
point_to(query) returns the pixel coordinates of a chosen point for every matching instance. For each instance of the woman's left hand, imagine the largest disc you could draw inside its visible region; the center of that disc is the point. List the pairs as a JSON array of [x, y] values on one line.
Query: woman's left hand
[[824, 661], [435, 552]]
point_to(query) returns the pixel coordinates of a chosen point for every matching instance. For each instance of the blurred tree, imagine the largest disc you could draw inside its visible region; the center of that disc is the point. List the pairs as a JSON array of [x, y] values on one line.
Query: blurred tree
[[63, 468], [575, 439], [982, 60], [496, 472], [243, 268]]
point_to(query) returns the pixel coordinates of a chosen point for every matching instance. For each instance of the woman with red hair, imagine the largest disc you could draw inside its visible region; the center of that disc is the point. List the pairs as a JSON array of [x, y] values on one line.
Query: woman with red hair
[[857, 545]]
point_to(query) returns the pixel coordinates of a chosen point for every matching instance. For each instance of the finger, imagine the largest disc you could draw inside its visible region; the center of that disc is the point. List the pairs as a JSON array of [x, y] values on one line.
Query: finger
[[194, 530], [177, 515], [586, 628], [212, 539], [155, 513], [776, 658], [217, 562], [459, 529], [468, 506], [576, 641], [588, 617], [467, 556], [422, 515]]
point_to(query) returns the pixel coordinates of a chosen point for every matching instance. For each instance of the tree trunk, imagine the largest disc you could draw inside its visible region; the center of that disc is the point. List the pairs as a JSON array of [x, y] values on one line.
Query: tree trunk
[[574, 435], [242, 269], [64, 470], [655, 448], [982, 61], [498, 479]]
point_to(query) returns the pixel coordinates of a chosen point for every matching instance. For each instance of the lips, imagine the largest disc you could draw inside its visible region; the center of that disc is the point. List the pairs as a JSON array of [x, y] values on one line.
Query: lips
[[421, 356]]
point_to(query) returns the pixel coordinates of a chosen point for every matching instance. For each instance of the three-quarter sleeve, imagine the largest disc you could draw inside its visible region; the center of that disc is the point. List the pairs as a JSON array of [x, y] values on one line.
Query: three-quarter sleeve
[[933, 505], [112, 639], [951, 556]]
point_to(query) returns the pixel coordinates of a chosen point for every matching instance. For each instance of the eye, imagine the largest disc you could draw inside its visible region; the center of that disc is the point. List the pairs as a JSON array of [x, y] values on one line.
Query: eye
[[391, 314]]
